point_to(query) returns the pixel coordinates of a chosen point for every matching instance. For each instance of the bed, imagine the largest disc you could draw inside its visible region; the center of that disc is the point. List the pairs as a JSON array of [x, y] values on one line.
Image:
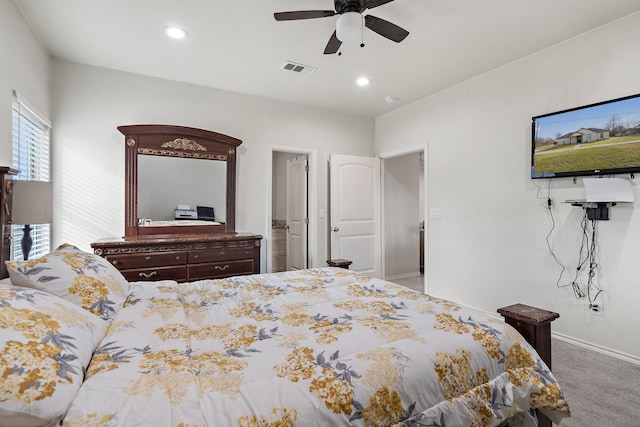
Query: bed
[[319, 347]]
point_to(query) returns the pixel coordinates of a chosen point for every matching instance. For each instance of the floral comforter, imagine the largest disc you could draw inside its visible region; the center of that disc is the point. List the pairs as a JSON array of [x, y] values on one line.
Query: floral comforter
[[319, 347]]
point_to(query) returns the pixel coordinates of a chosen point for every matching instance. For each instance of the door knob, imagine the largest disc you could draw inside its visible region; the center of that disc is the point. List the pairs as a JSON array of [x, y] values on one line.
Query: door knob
[[335, 229]]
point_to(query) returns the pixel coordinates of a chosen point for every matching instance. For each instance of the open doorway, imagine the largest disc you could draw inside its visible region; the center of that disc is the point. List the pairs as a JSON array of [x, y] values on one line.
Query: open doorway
[[290, 240], [404, 219]]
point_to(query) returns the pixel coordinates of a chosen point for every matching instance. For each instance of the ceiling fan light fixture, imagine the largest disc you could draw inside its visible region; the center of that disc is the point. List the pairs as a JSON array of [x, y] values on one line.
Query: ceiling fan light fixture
[[349, 27]]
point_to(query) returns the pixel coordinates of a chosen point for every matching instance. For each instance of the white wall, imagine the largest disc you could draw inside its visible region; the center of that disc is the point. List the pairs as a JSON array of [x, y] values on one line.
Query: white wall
[[489, 248], [90, 102], [25, 68]]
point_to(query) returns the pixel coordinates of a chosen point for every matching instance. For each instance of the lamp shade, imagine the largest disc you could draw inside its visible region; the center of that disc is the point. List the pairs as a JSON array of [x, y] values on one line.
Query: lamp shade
[[349, 27], [32, 202]]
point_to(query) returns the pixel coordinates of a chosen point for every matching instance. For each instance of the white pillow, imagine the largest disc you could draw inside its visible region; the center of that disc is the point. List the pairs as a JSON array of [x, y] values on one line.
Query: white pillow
[[46, 344]]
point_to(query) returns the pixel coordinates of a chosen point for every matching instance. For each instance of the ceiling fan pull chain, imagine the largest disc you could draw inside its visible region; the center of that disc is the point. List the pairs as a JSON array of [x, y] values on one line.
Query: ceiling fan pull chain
[[362, 31]]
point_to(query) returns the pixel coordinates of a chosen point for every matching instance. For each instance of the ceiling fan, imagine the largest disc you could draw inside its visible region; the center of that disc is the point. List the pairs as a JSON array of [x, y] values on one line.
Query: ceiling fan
[[349, 24]]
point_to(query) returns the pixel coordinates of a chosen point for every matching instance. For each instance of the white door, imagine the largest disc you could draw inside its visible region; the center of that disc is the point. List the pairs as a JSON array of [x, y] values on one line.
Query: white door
[[355, 212], [297, 218]]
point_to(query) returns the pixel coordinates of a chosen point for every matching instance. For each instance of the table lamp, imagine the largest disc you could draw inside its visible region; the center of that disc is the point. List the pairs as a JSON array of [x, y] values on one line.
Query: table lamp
[[32, 204]]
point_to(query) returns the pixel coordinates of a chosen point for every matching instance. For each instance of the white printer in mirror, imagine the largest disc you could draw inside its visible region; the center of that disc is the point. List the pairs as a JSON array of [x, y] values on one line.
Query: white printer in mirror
[[185, 212]]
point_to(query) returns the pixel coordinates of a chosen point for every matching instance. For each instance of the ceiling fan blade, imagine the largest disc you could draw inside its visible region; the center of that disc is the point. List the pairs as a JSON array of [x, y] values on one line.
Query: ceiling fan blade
[[370, 4], [333, 45], [385, 28], [303, 14]]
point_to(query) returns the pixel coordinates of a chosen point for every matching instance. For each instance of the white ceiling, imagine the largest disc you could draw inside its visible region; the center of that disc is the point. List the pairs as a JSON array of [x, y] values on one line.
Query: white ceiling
[[237, 45]]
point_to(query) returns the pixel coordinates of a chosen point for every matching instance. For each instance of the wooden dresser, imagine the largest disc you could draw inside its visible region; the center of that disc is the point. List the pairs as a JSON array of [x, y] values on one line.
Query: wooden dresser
[[166, 158], [182, 258]]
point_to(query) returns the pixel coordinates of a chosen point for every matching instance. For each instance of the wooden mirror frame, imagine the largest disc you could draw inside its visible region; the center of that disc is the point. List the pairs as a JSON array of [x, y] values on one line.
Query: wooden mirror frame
[[183, 142]]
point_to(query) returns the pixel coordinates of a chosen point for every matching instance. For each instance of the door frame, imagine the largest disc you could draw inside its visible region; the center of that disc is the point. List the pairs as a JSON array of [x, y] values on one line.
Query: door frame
[[312, 200], [425, 193]]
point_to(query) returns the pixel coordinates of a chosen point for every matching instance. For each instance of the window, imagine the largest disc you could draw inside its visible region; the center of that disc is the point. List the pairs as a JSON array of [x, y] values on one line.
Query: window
[[31, 158]]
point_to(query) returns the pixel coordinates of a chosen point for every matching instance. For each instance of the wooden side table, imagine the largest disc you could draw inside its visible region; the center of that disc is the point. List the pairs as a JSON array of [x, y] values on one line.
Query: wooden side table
[[534, 324], [342, 263]]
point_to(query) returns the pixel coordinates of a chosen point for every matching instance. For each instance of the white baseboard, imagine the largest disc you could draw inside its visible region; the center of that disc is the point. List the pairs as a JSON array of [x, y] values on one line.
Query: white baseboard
[[599, 349], [402, 276]]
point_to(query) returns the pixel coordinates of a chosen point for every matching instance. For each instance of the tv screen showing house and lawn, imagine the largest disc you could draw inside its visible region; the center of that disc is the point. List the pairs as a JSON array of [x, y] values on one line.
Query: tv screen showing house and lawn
[[596, 139]]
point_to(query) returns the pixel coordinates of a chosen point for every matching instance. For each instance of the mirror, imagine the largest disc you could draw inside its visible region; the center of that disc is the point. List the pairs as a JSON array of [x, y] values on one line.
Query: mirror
[[164, 183], [167, 166]]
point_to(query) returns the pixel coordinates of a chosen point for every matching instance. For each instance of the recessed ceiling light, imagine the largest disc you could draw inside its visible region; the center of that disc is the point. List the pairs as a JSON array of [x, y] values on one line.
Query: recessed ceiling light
[[363, 81], [175, 32]]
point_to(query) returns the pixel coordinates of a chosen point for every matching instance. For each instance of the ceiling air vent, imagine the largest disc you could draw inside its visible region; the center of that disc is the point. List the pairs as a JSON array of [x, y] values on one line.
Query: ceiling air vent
[[298, 68]]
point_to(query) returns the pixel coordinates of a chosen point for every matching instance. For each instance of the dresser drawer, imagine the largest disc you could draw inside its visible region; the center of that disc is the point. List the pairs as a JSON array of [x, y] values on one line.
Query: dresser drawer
[[198, 256], [150, 259], [219, 269], [159, 273], [183, 258]]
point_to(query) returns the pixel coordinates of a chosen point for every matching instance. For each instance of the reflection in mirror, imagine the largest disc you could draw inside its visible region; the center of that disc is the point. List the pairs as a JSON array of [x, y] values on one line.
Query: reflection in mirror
[[166, 182]]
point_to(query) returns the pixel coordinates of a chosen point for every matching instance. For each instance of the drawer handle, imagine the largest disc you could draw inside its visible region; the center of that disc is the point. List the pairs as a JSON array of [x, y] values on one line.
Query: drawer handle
[[222, 268], [177, 256], [195, 257], [147, 275], [148, 258], [115, 263]]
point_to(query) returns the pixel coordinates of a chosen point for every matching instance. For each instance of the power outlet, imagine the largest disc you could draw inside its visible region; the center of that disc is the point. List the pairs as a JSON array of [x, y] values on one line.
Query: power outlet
[[595, 308]]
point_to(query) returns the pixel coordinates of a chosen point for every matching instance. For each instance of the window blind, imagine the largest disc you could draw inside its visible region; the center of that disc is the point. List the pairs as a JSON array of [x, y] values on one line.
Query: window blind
[[31, 158]]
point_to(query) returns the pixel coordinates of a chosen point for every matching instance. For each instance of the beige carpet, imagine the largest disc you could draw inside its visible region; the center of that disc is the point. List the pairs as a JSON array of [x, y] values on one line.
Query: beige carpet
[[602, 391]]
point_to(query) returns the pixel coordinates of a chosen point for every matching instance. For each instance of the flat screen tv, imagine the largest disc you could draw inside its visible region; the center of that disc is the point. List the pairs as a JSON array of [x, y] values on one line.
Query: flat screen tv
[[596, 139]]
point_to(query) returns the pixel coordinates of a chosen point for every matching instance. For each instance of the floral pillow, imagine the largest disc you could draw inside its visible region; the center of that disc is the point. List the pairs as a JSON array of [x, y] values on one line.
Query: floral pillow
[[80, 277], [45, 346]]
